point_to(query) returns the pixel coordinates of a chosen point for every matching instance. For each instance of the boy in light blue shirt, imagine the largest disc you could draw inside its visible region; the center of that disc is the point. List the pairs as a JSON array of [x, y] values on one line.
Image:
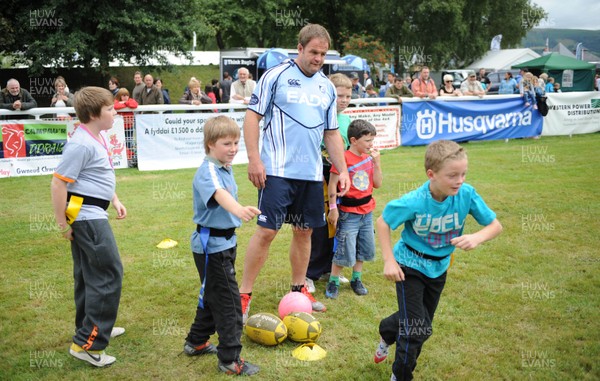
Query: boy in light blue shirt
[[434, 217], [217, 214]]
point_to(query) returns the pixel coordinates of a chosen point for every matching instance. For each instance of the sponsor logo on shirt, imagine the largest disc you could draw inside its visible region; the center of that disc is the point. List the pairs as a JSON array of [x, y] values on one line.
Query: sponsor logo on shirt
[[294, 82], [253, 100]]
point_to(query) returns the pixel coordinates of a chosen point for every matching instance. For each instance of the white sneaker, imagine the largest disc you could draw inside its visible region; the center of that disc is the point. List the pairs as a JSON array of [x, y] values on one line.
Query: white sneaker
[[117, 331], [343, 279], [393, 378], [382, 351], [96, 358], [310, 285]]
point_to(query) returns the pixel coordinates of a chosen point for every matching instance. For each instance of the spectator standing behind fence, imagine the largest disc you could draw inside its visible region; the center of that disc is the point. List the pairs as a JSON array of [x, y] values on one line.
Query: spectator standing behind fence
[[150, 94], [225, 87], [208, 90], [216, 89], [15, 98], [447, 88], [484, 79], [62, 97], [471, 86], [398, 90], [357, 91], [528, 90], [113, 86], [424, 86], [122, 100], [139, 85], [508, 85], [193, 95], [242, 89], [368, 81], [550, 85], [165, 92]]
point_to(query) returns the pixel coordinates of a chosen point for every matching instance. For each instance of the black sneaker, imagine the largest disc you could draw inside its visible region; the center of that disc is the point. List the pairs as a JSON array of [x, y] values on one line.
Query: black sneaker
[[198, 350], [358, 287], [239, 368], [332, 290]]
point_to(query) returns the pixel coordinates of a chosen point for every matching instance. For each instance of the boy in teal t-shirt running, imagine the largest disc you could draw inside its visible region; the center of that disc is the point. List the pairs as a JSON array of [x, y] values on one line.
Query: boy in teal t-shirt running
[[434, 217]]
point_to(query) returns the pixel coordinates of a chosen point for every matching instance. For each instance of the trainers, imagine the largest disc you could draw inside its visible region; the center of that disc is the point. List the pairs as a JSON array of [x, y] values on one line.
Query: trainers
[[326, 276], [198, 350], [239, 367], [358, 287], [393, 378], [117, 331], [96, 358], [382, 351], [332, 290], [316, 306], [246, 299], [310, 285]]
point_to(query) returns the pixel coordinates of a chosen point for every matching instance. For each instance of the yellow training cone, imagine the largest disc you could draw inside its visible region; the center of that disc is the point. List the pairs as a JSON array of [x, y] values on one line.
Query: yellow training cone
[[167, 243], [309, 352]]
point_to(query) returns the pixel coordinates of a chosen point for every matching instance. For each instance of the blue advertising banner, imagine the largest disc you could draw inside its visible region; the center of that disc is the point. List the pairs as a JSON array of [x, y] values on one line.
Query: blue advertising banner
[[486, 119]]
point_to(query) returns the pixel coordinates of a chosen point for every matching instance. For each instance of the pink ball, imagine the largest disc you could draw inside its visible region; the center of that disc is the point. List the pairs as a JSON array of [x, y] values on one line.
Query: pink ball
[[294, 302]]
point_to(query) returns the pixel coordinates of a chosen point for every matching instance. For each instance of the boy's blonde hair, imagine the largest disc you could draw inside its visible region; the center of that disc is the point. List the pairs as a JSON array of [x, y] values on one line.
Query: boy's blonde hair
[[340, 80], [217, 128], [88, 102], [440, 151]]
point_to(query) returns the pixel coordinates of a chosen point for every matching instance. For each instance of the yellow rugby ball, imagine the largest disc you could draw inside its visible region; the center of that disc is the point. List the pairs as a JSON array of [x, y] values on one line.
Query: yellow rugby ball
[[266, 329], [302, 327]]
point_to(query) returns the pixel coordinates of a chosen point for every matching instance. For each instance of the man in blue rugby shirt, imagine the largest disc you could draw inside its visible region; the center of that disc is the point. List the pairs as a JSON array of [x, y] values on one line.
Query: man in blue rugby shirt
[[298, 104]]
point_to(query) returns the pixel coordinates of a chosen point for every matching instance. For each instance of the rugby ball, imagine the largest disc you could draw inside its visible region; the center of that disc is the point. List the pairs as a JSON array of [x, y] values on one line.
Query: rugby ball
[[294, 302], [266, 329], [302, 327]]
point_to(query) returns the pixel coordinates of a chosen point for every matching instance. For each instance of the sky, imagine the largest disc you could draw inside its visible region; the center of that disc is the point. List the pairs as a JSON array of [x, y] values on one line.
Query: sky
[[570, 14]]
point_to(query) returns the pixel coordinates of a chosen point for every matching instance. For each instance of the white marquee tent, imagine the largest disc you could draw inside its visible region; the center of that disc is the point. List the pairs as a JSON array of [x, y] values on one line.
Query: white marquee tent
[[503, 59]]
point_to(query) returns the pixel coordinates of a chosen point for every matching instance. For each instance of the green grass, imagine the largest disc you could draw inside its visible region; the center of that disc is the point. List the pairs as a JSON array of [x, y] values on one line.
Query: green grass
[[524, 306]]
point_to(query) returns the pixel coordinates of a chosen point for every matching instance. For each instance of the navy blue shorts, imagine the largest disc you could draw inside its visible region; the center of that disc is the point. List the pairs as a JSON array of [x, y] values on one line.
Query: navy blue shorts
[[289, 201]]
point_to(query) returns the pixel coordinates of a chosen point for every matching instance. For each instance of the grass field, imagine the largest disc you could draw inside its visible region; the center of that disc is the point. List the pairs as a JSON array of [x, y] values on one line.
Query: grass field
[[525, 306]]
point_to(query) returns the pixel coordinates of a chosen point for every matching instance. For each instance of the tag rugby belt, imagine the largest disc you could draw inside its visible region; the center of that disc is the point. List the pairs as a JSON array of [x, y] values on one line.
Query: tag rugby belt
[[227, 233], [347, 201], [89, 200]]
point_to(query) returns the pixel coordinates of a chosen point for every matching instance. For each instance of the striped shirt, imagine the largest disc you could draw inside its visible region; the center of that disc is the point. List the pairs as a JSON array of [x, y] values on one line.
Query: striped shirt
[[296, 110]]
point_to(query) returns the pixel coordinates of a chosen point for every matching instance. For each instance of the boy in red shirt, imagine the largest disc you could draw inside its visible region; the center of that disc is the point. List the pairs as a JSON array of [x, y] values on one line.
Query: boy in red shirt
[[354, 218]]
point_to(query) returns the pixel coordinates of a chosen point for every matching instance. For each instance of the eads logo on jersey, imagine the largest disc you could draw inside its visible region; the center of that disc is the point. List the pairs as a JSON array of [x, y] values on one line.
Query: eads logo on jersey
[[294, 82]]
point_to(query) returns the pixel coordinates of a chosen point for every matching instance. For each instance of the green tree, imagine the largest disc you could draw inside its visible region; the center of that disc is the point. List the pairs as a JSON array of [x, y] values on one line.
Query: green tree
[[93, 33], [443, 33]]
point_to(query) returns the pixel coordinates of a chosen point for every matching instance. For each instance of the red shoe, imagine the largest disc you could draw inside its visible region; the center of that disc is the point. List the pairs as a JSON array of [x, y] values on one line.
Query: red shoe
[[246, 300], [316, 306]]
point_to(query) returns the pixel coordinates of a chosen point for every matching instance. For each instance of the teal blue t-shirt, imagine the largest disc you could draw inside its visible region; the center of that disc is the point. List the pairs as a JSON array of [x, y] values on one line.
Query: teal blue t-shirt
[[429, 225]]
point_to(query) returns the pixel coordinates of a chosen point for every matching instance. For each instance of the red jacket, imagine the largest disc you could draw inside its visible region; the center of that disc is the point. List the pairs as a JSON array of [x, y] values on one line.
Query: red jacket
[[127, 115]]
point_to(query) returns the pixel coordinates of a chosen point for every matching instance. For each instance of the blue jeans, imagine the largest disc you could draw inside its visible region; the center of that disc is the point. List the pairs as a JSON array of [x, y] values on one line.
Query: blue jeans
[[355, 239]]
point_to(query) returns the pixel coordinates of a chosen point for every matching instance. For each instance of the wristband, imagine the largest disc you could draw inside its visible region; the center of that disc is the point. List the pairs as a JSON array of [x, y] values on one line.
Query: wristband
[[66, 229], [332, 206]]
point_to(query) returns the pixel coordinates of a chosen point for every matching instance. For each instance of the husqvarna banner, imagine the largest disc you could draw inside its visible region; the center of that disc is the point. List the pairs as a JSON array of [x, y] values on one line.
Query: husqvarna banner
[[486, 119]]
